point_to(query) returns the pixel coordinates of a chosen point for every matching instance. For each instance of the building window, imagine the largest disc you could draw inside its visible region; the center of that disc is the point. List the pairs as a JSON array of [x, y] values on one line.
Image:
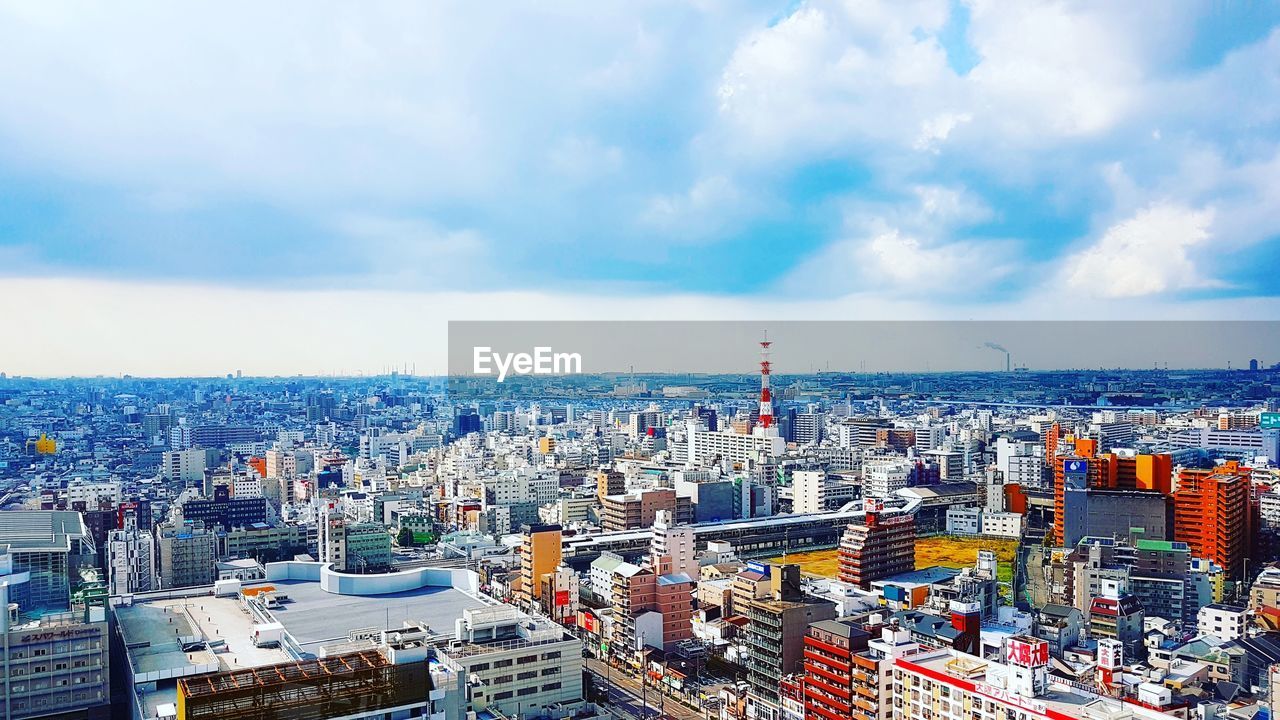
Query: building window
[[502, 696], [551, 686], [527, 691]]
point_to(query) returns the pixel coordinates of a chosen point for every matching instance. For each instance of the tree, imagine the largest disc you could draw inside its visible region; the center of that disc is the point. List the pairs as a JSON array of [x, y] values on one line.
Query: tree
[[405, 537]]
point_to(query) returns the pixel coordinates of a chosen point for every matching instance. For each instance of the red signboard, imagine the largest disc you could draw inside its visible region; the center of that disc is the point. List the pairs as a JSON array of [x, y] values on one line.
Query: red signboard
[[1028, 653], [562, 598], [588, 622]]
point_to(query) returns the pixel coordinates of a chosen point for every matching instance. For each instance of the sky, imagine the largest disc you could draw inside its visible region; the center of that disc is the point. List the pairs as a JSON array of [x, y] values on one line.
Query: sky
[[312, 187]]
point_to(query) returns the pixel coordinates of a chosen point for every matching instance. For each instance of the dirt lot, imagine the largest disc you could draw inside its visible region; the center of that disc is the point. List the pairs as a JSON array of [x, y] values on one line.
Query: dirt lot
[[944, 551]]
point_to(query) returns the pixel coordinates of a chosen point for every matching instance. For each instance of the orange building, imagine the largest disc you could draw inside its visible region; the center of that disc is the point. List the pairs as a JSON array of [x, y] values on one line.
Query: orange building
[[1211, 515], [259, 464], [539, 555], [1108, 471]]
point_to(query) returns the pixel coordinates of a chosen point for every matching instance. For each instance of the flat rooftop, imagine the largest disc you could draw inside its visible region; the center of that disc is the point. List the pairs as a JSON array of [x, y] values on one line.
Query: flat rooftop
[[315, 617], [1057, 697], [924, 576], [151, 630]]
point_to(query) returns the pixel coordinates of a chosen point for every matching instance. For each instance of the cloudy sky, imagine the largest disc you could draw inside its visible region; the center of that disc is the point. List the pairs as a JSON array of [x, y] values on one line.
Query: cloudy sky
[[318, 187]]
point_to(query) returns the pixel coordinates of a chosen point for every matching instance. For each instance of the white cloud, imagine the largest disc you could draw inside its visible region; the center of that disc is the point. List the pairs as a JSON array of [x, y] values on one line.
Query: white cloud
[[709, 205], [1147, 254], [906, 249], [935, 130], [410, 250], [898, 265]]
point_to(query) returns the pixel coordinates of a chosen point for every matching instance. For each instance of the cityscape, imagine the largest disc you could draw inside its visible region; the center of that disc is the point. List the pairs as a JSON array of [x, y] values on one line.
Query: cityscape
[[662, 360], [1065, 544]]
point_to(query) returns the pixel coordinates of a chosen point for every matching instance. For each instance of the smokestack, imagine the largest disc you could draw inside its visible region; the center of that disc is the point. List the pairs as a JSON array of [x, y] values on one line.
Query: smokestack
[[1007, 363]]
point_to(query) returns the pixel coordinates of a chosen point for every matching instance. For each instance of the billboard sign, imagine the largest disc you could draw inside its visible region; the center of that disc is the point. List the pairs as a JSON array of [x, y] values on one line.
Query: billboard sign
[[1028, 652], [1269, 420]]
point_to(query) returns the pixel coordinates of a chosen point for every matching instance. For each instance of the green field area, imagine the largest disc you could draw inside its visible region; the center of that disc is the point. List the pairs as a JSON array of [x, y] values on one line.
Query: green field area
[[951, 552]]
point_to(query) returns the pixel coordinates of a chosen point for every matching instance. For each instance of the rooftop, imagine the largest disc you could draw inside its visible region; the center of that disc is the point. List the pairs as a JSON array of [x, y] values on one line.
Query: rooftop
[[315, 617], [923, 576], [1058, 698], [154, 631], [40, 529]]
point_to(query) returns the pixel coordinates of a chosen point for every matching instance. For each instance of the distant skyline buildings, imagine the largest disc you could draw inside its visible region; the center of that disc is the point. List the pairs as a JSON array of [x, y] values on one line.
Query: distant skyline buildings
[[797, 348]]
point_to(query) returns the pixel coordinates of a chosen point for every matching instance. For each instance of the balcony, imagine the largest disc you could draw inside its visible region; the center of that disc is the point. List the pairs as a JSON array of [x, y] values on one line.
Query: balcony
[[818, 681]]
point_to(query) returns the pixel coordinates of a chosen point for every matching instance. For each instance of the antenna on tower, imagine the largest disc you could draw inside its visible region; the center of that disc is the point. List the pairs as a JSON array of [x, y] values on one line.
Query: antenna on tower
[[766, 396]]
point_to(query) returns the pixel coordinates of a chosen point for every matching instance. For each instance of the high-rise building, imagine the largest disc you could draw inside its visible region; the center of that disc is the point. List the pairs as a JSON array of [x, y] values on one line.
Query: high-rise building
[[831, 681], [1083, 468], [1211, 514], [50, 545], [188, 554], [880, 546], [672, 549], [131, 560], [540, 550], [610, 482], [56, 664], [186, 466], [778, 616]]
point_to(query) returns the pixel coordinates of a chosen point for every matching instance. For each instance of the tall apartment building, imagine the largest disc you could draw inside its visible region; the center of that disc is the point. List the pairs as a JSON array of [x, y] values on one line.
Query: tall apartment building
[[610, 482], [880, 546], [649, 610], [848, 673], [777, 622], [706, 447], [1211, 514], [830, 686], [540, 550], [355, 547], [188, 554], [131, 560], [808, 428], [672, 549], [186, 466]]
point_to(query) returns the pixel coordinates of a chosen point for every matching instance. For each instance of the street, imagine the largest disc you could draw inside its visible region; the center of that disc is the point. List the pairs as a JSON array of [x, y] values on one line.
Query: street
[[625, 694]]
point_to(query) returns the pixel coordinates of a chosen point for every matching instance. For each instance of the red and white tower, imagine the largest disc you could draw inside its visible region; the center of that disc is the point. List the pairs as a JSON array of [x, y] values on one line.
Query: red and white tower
[[766, 398]]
